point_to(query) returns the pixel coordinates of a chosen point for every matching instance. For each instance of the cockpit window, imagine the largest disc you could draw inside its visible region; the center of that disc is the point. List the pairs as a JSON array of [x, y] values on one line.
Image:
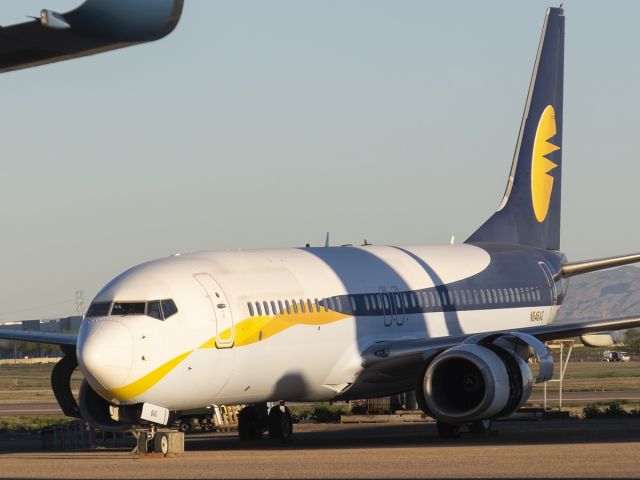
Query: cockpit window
[[158, 309], [169, 308], [98, 309], [153, 309], [128, 308]]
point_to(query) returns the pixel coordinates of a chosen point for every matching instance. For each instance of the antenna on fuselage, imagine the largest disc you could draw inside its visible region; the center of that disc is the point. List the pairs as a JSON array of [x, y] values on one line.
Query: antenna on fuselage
[[453, 239], [326, 241]]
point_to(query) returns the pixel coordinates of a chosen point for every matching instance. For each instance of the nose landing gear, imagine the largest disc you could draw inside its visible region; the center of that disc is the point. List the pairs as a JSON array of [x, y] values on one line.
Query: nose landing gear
[[164, 441]]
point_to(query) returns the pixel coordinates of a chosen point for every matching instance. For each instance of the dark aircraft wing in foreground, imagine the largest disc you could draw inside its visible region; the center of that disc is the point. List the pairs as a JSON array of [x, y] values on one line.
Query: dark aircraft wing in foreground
[[96, 26]]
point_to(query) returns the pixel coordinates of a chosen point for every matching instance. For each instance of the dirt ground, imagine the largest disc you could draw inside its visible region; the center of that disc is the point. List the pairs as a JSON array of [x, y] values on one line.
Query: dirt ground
[[524, 449]]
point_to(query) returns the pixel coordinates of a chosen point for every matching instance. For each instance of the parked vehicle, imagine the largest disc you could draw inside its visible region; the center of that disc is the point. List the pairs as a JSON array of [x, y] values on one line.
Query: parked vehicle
[[609, 356]]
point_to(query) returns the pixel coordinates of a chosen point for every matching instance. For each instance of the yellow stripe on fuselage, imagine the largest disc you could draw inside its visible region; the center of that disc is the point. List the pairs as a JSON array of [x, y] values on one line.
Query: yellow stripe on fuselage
[[149, 380], [248, 331], [254, 329]]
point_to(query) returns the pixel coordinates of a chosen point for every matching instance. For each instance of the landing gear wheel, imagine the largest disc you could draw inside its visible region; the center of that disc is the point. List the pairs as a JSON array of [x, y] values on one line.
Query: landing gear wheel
[[248, 424], [480, 426], [144, 445], [186, 426], [280, 424], [161, 443], [447, 430]]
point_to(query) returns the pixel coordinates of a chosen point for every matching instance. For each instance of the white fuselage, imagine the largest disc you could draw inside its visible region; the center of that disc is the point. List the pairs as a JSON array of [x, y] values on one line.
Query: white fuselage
[[236, 337]]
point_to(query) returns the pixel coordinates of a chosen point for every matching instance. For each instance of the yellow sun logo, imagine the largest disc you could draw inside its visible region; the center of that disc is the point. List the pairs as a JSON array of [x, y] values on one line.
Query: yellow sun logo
[[541, 181]]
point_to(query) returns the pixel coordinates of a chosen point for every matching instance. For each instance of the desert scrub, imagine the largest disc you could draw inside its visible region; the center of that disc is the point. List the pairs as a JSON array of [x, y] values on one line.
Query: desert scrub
[[28, 424], [608, 410], [319, 413]]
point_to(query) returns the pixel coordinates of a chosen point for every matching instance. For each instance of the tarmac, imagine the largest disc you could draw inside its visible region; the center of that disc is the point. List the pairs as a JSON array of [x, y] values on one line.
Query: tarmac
[[522, 449], [52, 408]]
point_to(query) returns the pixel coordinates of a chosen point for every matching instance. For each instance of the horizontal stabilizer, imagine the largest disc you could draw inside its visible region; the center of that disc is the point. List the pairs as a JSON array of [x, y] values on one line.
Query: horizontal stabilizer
[[577, 268]]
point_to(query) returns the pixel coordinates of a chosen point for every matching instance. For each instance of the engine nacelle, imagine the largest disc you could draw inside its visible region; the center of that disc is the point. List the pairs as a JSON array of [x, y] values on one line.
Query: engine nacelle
[[485, 377], [102, 414]]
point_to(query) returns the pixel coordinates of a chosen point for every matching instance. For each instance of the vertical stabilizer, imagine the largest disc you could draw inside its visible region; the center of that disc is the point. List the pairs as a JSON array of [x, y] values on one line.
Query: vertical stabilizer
[[529, 213]]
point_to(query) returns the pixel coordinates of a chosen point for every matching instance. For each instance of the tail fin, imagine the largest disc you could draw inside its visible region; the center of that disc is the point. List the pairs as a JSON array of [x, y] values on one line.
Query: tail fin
[[529, 213]]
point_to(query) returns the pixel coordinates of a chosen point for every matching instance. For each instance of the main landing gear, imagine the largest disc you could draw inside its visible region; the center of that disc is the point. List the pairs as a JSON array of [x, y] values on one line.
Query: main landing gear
[[254, 422], [449, 431]]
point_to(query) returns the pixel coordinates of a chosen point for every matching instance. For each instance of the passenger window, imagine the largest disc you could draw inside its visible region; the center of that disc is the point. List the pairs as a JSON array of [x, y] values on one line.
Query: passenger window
[[250, 308], [517, 295], [405, 299], [452, 299], [500, 297], [153, 310], [98, 309], [483, 299], [385, 297], [396, 296], [266, 307], [420, 299], [494, 294], [294, 304], [168, 308], [366, 303], [288, 307], [258, 308], [332, 306], [317, 305], [463, 297], [353, 302], [280, 309], [379, 301], [511, 295], [310, 305], [432, 301], [338, 304], [476, 297], [273, 308], [302, 306], [538, 295]]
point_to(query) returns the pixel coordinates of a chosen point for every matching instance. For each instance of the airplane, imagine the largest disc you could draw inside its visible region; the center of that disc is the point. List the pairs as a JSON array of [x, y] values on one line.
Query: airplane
[[96, 26], [457, 323]]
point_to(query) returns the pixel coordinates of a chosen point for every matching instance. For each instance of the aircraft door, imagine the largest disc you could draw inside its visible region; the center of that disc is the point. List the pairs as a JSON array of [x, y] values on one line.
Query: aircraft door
[[225, 329], [398, 305], [552, 284], [386, 307]]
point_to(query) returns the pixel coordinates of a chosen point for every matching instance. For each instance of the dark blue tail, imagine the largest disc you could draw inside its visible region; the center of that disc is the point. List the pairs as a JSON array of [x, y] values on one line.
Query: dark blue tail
[[530, 210]]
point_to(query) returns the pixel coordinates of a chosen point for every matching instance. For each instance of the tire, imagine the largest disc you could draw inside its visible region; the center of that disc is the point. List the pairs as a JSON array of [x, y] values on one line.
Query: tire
[[480, 426], [248, 429], [280, 424], [144, 445], [186, 426], [161, 443], [448, 431]]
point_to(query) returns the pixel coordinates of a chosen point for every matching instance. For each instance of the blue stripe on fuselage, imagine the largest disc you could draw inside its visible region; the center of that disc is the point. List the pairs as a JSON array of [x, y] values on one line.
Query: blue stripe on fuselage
[[513, 277]]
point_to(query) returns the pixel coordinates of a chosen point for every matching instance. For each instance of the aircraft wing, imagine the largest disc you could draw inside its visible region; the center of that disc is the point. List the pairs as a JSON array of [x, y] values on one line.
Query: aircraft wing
[[398, 357], [39, 337], [95, 26]]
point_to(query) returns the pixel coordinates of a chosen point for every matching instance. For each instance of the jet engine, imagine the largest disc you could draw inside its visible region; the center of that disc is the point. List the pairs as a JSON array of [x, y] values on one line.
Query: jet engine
[[101, 413], [485, 377], [90, 406]]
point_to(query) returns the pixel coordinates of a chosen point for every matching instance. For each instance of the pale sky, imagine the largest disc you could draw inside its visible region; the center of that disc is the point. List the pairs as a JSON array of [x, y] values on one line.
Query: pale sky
[[267, 124]]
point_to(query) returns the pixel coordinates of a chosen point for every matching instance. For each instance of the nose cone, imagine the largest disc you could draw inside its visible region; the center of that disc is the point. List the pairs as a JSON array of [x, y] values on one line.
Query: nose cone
[[105, 353]]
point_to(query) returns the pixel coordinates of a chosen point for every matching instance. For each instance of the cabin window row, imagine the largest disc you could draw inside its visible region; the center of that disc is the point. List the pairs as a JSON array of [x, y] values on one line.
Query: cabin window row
[[406, 301], [280, 307]]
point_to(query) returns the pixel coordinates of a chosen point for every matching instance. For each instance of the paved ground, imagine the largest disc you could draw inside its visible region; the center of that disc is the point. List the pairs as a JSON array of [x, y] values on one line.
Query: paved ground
[[549, 448], [23, 409], [44, 409]]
